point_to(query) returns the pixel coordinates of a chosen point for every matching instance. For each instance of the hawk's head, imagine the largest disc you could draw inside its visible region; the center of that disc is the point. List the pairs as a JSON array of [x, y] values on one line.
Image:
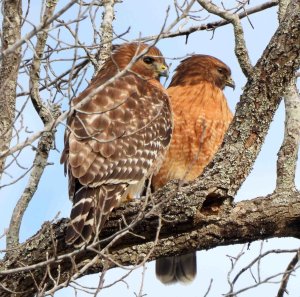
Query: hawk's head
[[150, 65], [203, 68]]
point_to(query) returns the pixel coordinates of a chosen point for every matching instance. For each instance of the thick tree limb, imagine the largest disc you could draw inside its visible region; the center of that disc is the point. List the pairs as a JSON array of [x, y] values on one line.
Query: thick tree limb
[[189, 230], [11, 32], [288, 153]]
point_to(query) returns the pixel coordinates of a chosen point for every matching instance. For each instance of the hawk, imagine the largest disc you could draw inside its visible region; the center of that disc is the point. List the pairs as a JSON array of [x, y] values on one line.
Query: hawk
[[201, 118], [117, 139]]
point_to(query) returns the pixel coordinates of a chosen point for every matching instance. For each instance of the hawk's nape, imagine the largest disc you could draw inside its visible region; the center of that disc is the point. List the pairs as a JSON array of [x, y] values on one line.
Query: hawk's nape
[[116, 139], [201, 119]]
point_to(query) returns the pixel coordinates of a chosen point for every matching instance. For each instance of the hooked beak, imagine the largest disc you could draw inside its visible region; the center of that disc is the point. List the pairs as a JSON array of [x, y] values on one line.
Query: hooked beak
[[162, 70], [230, 83]]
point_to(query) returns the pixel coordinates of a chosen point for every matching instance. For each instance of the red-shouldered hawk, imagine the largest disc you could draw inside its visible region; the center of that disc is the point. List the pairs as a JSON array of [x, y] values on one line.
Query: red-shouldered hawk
[[117, 139], [201, 118]]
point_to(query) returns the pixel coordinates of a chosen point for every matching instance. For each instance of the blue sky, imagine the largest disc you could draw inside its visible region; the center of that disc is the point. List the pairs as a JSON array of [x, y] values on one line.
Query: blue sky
[[145, 18]]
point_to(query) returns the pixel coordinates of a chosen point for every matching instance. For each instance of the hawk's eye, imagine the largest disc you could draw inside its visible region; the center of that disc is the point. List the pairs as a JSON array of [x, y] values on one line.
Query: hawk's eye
[[221, 70], [148, 60]]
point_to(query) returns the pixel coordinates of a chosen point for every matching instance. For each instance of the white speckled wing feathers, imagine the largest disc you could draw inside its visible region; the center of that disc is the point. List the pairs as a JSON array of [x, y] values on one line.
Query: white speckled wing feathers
[[113, 141]]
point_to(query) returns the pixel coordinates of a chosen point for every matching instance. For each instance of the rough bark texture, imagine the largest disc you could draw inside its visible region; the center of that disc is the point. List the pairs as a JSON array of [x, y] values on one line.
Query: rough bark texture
[[45, 142], [191, 221], [189, 230], [106, 33], [288, 153], [11, 29]]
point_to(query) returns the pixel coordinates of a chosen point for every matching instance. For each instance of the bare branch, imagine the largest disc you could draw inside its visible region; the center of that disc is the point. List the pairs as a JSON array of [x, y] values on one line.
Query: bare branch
[[209, 288], [41, 109], [106, 33], [45, 142], [180, 17], [166, 34], [287, 274], [212, 25], [238, 223], [283, 4], [288, 153], [11, 33], [59, 79], [37, 29]]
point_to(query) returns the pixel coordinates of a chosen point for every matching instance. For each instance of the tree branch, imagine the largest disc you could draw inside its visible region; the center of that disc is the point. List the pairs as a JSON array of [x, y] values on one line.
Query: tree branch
[[18, 42], [212, 25], [288, 153], [290, 268], [45, 142], [11, 33], [189, 230], [106, 33], [208, 26]]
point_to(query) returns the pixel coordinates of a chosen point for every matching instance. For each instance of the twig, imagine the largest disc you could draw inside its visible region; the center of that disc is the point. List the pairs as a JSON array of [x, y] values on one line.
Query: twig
[[37, 29], [101, 281], [58, 79], [166, 34], [234, 262], [140, 294], [209, 288], [285, 279], [266, 280], [282, 251], [184, 13], [259, 261], [212, 25]]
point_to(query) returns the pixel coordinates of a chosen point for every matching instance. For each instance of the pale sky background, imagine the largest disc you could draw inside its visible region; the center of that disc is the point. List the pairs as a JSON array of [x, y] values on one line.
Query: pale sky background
[[145, 18]]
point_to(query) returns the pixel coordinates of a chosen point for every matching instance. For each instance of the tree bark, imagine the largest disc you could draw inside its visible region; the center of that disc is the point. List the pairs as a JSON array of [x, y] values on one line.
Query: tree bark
[[12, 13], [188, 229]]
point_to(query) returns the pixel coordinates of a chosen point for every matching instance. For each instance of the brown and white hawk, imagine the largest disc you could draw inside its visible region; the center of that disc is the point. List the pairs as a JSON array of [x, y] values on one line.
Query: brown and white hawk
[[117, 139], [201, 119]]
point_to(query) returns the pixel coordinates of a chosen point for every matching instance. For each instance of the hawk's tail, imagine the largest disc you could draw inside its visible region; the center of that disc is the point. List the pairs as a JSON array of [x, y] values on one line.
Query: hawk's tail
[[181, 268], [91, 207]]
